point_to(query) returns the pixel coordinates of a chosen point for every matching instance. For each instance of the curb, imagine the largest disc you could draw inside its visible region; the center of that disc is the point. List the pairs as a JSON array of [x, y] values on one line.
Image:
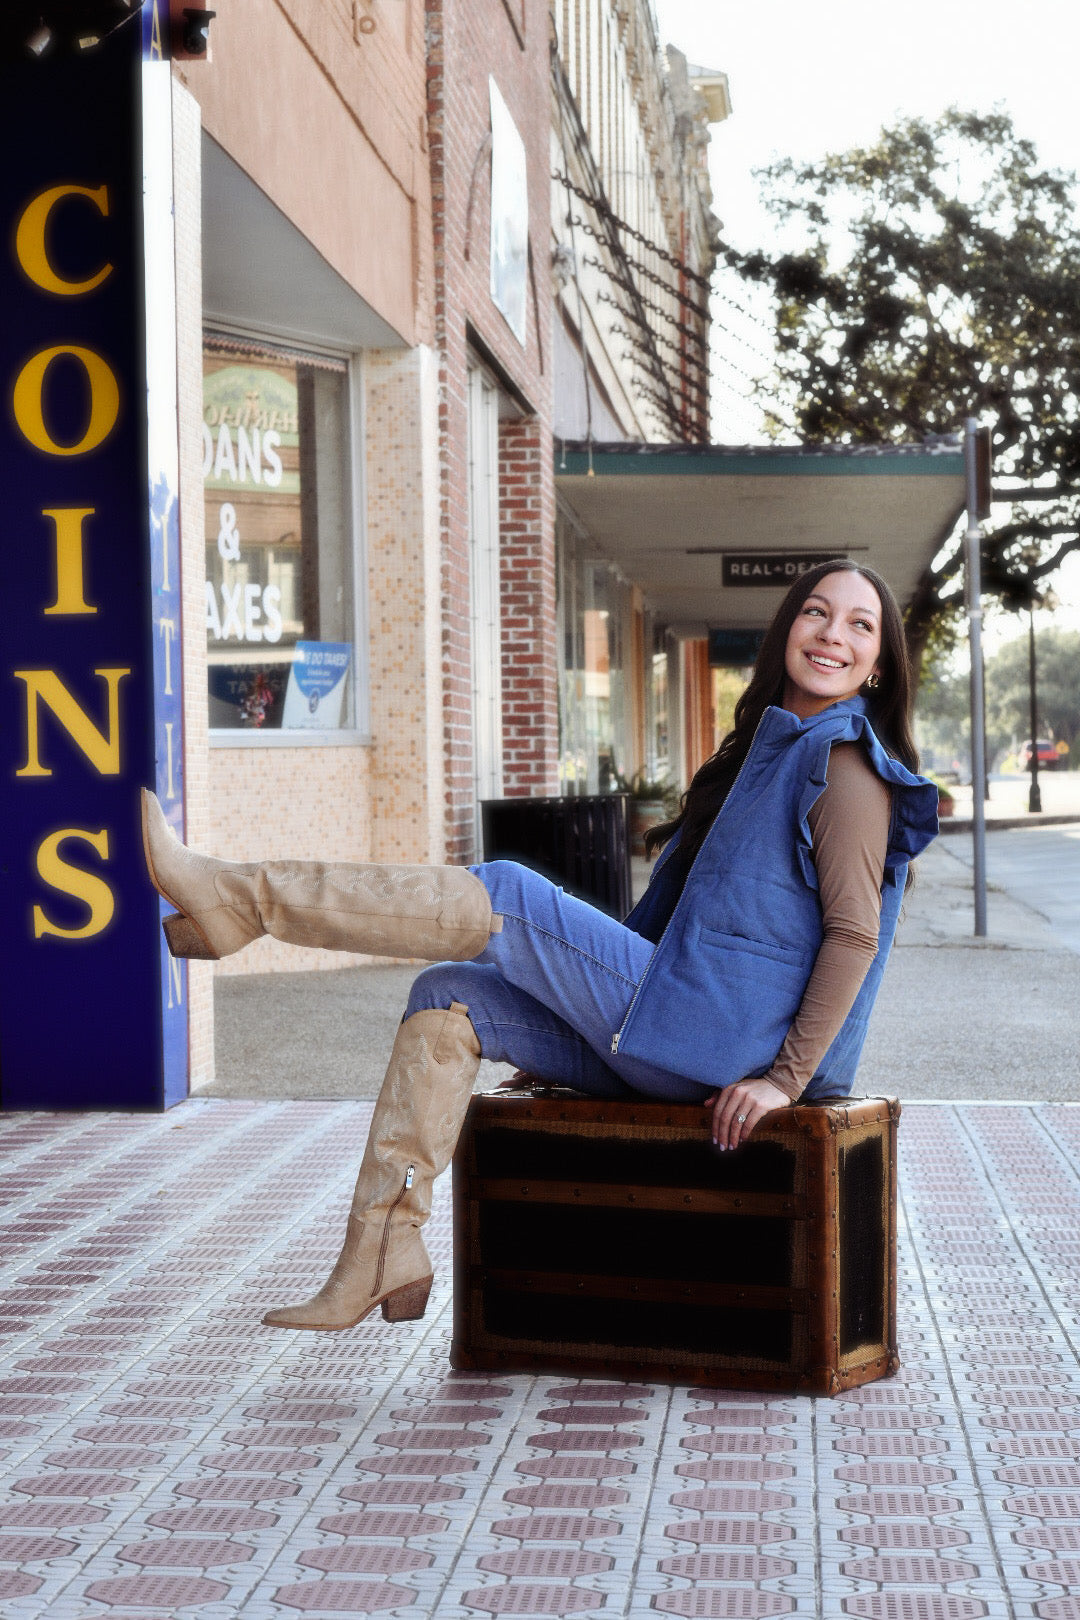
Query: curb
[[964, 824]]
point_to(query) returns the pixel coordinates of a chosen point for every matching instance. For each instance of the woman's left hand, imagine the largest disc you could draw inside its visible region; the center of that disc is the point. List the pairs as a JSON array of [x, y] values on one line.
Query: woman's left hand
[[520, 1080], [737, 1109]]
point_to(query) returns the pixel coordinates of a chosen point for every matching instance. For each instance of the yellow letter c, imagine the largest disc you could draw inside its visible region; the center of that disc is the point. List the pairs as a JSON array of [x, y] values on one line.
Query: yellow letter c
[[30, 246]]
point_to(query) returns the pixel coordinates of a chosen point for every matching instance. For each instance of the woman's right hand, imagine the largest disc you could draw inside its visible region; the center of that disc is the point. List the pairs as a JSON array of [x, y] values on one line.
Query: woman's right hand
[[738, 1108]]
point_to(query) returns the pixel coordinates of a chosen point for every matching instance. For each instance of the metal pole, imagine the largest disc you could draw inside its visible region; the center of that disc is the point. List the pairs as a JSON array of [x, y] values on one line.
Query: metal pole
[[973, 599], [1034, 794]]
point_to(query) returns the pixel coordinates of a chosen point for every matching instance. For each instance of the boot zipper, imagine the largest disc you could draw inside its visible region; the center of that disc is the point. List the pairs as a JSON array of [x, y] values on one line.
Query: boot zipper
[[384, 1245], [615, 1039]]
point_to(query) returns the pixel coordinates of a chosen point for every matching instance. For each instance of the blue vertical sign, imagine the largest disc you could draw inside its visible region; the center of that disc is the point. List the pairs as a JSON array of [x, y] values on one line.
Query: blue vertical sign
[[90, 1014], [163, 489]]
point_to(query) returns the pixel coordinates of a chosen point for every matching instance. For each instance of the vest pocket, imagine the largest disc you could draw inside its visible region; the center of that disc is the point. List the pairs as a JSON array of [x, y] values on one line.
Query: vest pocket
[[786, 955]]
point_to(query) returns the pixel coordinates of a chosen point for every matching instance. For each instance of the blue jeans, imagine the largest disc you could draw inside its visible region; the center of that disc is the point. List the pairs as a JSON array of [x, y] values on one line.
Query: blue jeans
[[548, 993]]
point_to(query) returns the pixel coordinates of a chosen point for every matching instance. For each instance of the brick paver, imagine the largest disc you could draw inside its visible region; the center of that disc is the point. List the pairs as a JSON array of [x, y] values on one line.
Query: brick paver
[[164, 1455]]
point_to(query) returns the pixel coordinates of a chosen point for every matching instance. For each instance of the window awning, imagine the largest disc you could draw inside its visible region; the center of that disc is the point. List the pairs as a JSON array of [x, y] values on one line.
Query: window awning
[[674, 518]]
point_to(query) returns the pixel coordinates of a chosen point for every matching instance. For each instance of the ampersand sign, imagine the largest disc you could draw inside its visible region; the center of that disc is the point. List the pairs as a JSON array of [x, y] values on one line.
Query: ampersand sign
[[228, 540]]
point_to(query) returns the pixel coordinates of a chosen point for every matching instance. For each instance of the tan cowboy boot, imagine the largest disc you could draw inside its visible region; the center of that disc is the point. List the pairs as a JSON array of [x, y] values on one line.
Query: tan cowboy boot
[[437, 913], [414, 1131]]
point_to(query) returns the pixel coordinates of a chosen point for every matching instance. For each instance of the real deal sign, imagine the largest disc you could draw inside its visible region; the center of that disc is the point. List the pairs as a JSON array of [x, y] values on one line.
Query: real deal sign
[[771, 567]]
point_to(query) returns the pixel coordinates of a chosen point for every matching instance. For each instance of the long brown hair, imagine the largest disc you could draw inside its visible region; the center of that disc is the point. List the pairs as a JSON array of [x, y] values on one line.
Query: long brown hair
[[888, 706]]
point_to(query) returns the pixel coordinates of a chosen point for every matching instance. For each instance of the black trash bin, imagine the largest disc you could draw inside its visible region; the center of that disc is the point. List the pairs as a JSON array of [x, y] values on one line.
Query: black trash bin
[[581, 843]]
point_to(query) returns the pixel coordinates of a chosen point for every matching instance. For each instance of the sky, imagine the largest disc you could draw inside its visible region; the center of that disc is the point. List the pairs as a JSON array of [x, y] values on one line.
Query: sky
[[810, 79]]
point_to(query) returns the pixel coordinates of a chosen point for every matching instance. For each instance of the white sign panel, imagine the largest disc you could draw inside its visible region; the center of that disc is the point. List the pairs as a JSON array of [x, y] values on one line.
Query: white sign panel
[[509, 216], [315, 695]]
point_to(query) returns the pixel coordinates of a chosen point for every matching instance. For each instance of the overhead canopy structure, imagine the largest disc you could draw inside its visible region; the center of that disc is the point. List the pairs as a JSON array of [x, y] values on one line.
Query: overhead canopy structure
[[710, 532]]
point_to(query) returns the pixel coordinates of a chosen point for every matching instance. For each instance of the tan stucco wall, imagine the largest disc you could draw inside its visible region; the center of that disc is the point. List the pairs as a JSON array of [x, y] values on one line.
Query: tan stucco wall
[[330, 125]]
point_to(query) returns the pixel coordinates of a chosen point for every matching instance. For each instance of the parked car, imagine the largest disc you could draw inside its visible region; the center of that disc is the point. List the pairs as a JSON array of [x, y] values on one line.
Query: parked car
[[1049, 758]]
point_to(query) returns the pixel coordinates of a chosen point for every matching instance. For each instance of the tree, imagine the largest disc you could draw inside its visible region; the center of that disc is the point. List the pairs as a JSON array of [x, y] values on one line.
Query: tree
[[943, 715], [942, 711], [939, 278], [1057, 659]]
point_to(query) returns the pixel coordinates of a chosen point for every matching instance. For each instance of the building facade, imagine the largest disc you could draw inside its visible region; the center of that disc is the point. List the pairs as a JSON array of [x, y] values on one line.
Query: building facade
[[488, 115], [380, 346], [634, 244], [364, 315], [416, 265]]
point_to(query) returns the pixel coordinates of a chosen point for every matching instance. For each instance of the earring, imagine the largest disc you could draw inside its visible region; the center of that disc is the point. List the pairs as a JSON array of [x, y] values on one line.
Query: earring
[[873, 681]]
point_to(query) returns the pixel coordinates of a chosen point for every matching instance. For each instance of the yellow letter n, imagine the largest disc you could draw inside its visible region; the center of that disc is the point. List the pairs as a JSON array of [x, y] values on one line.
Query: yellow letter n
[[102, 749]]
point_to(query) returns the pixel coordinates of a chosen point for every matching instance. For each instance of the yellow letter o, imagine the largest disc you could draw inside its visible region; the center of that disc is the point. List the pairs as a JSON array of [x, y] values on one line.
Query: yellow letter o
[[29, 406]]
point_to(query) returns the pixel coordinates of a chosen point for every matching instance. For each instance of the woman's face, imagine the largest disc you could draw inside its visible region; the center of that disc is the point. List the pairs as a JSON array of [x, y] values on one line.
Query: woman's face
[[833, 645]]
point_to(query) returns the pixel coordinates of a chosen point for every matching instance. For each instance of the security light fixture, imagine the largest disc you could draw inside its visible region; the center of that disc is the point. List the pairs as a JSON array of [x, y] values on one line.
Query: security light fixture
[[34, 27], [39, 38], [101, 17], [196, 30]]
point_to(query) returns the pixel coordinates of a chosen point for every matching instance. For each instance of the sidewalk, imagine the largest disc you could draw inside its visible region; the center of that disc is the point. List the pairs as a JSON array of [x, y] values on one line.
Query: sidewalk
[[1007, 804], [966, 1018], [164, 1456]]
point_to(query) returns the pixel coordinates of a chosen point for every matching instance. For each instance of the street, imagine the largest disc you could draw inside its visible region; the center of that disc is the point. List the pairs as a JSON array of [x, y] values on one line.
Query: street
[[1059, 791], [1039, 866]]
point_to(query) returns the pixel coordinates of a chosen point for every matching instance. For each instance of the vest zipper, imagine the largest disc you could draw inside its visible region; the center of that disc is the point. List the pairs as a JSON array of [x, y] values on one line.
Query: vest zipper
[[384, 1245], [619, 1033]]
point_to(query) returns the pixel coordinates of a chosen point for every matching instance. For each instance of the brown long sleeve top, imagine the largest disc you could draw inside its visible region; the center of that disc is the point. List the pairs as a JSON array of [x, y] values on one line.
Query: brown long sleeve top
[[849, 826]]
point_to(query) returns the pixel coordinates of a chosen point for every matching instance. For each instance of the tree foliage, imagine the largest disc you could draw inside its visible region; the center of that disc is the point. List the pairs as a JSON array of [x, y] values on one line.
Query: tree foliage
[[1008, 702], [943, 711], [939, 277]]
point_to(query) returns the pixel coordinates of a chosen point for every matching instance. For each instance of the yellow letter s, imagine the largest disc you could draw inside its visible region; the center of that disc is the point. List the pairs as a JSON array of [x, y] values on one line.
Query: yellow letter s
[[59, 874]]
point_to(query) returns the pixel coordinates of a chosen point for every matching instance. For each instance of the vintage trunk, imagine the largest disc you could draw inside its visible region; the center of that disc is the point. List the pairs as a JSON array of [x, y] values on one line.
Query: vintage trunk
[[609, 1238]]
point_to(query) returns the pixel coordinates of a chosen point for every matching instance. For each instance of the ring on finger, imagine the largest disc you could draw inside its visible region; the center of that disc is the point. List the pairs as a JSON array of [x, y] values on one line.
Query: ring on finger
[[741, 1118]]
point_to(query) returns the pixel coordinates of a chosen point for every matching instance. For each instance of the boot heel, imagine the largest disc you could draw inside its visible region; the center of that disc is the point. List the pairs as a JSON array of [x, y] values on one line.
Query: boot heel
[[409, 1303], [185, 938]]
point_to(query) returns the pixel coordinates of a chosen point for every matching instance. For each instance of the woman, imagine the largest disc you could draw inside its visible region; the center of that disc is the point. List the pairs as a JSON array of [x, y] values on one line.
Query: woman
[[743, 979]]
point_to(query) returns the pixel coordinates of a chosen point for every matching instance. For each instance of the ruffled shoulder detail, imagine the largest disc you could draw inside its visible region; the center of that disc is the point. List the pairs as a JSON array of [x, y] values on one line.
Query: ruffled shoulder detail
[[914, 799], [915, 805]]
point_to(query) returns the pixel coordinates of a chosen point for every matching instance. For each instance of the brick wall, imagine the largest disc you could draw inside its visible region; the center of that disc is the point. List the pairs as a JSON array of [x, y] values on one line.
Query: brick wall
[[292, 803], [527, 585], [403, 600], [468, 40]]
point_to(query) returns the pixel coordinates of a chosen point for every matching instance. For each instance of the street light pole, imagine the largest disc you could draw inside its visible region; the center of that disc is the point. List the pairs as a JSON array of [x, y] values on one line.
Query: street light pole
[[976, 463], [1034, 795]]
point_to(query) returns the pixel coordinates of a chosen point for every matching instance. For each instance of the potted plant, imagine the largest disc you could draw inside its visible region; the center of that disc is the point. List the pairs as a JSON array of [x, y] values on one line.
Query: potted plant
[[653, 799], [946, 804]]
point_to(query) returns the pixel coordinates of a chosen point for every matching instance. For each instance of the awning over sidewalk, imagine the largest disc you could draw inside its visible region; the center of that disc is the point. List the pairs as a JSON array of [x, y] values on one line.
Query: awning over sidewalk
[[710, 532]]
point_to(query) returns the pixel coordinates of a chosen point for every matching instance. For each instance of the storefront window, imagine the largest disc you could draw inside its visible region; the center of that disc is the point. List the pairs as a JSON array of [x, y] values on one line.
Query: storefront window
[[658, 762], [594, 616], [279, 595]]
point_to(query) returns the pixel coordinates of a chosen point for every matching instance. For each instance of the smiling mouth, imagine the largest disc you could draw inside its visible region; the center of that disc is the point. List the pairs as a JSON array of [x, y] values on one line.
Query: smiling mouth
[[821, 662]]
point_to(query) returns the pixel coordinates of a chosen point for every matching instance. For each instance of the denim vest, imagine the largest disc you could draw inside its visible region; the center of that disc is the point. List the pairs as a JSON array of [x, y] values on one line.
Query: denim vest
[[737, 945]]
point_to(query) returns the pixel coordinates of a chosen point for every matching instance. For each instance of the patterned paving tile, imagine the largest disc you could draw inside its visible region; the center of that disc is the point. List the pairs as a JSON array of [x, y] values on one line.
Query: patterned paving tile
[[162, 1455]]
